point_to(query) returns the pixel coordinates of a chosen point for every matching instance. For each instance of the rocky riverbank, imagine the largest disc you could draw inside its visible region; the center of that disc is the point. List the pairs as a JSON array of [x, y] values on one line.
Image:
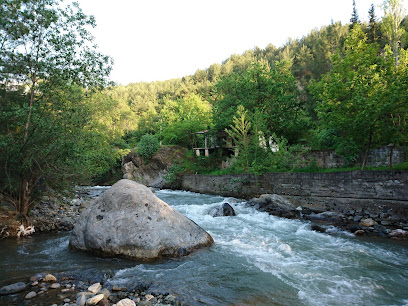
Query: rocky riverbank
[[67, 290], [360, 223], [54, 213]]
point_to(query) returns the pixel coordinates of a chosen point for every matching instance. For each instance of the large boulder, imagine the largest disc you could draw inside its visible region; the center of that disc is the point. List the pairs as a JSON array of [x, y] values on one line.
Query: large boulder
[[275, 205], [129, 220]]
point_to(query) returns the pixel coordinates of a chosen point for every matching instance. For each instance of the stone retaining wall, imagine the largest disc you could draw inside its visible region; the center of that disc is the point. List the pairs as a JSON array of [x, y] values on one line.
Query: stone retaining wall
[[369, 191]]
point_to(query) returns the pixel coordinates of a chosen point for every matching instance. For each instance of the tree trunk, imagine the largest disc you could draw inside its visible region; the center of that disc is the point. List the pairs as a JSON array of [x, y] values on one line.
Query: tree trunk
[[367, 152], [24, 197], [391, 153]]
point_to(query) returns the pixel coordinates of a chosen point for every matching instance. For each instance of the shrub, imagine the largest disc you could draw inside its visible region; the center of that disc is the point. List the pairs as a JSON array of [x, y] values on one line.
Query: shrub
[[148, 146]]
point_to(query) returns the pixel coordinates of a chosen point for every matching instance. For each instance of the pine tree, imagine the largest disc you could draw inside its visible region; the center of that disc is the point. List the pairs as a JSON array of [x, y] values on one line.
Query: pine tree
[[372, 25], [354, 16]]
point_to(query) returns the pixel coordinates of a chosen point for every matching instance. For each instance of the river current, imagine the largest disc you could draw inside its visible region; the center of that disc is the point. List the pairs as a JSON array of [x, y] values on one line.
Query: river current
[[257, 259]]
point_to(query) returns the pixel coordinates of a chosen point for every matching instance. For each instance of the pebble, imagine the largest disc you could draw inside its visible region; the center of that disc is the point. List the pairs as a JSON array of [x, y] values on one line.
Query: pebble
[[50, 278], [95, 288], [359, 233], [30, 295], [34, 284], [126, 302], [95, 300], [55, 286], [67, 300]]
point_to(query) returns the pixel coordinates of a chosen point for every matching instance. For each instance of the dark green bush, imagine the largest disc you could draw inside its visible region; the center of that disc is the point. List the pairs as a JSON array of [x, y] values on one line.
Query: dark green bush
[[148, 146]]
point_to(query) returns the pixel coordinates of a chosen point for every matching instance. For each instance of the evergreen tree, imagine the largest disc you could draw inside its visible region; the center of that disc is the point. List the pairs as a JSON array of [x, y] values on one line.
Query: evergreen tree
[[372, 25], [354, 16]]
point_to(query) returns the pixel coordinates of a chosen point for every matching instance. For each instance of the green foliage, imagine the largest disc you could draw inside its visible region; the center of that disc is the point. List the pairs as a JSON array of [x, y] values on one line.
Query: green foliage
[[148, 146], [269, 91], [46, 60], [239, 132]]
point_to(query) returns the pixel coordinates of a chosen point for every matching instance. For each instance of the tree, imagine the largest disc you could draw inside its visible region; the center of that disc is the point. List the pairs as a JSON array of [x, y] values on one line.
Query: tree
[[239, 132], [354, 16], [272, 91], [47, 58], [372, 25], [352, 96], [391, 25]]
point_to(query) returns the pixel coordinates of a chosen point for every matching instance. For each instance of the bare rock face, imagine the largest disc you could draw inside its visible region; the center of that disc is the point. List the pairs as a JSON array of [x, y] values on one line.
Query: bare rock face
[[129, 220], [152, 172]]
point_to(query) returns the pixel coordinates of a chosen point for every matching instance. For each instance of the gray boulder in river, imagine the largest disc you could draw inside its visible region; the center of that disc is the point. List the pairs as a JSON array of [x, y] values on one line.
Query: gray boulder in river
[[224, 210], [129, 220]]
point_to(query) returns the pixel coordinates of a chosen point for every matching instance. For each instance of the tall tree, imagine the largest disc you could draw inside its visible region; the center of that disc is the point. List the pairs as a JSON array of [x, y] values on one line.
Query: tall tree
[[394, 14], [354, 16], [47, 54], [372, 25], [352, 95]]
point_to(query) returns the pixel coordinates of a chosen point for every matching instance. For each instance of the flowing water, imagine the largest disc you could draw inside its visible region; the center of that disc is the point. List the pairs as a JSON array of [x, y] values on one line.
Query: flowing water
[[256, 259]]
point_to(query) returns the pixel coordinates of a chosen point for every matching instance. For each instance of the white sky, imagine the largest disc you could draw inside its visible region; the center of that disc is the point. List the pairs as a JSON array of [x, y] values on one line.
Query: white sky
[[153, 40]]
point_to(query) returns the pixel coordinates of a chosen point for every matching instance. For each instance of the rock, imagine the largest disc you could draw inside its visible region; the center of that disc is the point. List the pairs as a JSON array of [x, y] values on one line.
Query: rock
[[149, 297], [326, 216], [126, 302], [36, 277], [66, 300], [30, 295], [95, 300], [106, 293], [13, 288], [55, 286], [129, 220], [224, 210], [95, 288], [399, 233], [368, 222], [50, 278], [275, 205], [317, 228], [104, 302], [359, 233], [82, 297], [170, 299]]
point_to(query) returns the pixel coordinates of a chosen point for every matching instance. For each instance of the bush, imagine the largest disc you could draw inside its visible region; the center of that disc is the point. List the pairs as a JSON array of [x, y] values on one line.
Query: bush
[[148, 146]]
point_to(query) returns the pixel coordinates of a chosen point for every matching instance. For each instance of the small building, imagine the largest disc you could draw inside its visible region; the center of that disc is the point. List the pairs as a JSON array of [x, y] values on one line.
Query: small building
[[206, 143]]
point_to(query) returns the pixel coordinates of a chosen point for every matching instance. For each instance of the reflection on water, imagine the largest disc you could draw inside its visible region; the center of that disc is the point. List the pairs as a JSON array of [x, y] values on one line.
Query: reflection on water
[[256, 259]]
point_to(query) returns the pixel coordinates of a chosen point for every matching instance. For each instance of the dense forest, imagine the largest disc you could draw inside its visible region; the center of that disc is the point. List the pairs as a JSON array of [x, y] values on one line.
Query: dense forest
[[341, 87]]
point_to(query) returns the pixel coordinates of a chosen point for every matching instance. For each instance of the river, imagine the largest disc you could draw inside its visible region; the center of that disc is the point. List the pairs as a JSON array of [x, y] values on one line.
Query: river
[[256, 259]]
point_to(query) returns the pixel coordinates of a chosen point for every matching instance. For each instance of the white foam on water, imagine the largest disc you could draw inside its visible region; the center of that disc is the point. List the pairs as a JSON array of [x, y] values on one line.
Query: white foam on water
[[322, 267]]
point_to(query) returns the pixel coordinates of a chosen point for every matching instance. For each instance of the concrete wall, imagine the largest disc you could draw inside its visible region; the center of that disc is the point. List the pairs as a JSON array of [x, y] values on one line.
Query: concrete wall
[[369, 191], [377, 158]]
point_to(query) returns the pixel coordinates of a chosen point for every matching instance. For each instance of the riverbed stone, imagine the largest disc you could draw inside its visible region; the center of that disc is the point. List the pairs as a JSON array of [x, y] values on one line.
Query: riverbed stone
[[95, 288], [30, 295], [13, 288], [368, 222], [95, 300], [50, 278], [126, 302], [129, 220], [55, 285]]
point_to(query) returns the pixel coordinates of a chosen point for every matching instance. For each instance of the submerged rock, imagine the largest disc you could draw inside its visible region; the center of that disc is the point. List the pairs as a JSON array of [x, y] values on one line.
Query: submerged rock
[[129, 220], [13, 288], [224, 210], [275, 205]]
